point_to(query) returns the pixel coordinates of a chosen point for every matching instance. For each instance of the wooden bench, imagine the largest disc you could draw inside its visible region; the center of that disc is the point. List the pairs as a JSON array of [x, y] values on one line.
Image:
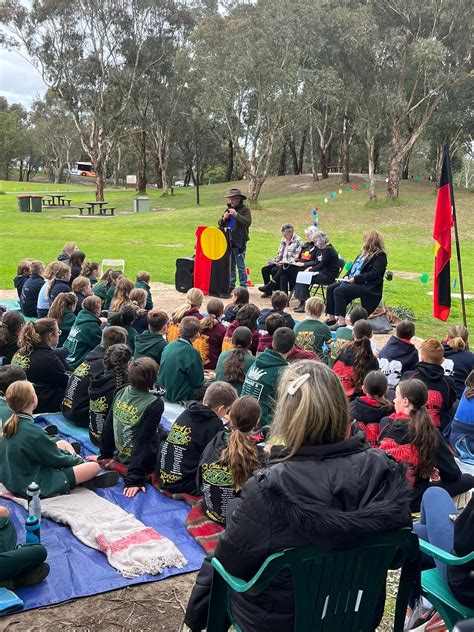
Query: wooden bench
[[111, 210], [63, 202]]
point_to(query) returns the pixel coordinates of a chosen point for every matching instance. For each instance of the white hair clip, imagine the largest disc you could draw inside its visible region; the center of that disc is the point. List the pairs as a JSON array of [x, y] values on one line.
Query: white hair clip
[[298, 383]]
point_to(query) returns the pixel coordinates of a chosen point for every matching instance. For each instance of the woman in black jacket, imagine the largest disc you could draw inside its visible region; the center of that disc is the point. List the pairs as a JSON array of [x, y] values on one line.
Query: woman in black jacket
[[324, 263], [364, 280], [327, 490]]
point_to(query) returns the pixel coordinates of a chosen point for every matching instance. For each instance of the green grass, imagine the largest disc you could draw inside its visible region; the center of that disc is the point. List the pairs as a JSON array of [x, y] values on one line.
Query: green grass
[[153, 241]]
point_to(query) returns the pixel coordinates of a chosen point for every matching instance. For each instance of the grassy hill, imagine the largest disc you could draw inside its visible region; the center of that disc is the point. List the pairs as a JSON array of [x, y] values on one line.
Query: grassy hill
[[153, 241]]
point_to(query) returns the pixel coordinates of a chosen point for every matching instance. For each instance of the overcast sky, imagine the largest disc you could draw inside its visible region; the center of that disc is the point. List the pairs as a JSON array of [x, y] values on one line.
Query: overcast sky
[[20, 82]]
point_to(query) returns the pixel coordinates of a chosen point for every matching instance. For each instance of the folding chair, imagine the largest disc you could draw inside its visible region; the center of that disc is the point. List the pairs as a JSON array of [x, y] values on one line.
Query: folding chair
[[322, 286], [115, 264]]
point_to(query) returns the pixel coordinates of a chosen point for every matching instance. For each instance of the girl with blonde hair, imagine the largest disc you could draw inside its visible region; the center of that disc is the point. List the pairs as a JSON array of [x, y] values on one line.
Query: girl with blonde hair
[[194, 300], [456, 350], [26, 453], [60, 283], [122, 294], [364, 280], [138, 298], [81, 286], [324, 488], [42, 304], [63, 311]]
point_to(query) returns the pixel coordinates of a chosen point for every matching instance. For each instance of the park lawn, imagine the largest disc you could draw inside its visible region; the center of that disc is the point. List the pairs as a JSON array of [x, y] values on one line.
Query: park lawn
[[153, 241]]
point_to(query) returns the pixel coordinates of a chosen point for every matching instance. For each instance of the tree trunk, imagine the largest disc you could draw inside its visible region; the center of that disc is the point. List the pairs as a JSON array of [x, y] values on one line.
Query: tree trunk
[[294, 157], [324, 163], [56, 173], [159, 173], [230, 161], [282, 162], [394, 162], [301, 152], [141, 172], [118, 165], [99, 177], [312, 151], [370, 144], [377, 157], [344, 149], [255, 186], [406, 166], [20, 175]]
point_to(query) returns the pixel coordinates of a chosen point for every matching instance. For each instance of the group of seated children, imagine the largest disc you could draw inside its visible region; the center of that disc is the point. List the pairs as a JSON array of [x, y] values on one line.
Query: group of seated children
[[247, 378]]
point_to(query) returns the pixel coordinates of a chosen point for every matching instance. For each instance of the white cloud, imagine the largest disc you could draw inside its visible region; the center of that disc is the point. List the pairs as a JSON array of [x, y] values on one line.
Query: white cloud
[[20, 82]]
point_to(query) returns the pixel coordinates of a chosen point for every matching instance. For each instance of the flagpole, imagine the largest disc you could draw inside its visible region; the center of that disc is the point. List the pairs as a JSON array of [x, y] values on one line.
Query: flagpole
[[456, 238]]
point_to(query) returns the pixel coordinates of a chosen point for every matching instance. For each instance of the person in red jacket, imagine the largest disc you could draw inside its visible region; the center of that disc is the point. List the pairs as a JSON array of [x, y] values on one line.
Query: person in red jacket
[[368, 409], [441, 389], [213, 331], [246, 317], [411, 438]]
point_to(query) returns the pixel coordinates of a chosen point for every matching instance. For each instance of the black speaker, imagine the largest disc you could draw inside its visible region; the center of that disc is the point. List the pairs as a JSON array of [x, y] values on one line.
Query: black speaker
[[184, 277]]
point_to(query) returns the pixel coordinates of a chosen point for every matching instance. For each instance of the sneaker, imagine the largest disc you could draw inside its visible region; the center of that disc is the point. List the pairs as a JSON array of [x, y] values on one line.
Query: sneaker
[[330, 321], [31, 577], [104, 479], [265, 295], [262, 288]]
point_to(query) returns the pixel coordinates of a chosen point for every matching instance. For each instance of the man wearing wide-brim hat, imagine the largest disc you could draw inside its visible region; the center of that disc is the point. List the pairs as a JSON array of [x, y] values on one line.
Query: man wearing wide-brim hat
[[237, 218]]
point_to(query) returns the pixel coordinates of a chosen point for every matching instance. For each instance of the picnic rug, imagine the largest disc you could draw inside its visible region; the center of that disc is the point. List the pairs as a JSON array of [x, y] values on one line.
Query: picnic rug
[[80, 571]]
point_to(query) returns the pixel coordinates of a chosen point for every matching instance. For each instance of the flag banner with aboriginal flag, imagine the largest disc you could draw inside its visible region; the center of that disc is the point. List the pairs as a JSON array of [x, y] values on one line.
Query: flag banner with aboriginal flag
[[212, 262], [442, 235]]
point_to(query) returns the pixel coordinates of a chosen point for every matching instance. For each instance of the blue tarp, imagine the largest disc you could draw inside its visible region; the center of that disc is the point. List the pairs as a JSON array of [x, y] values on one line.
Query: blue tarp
[[77, 570]]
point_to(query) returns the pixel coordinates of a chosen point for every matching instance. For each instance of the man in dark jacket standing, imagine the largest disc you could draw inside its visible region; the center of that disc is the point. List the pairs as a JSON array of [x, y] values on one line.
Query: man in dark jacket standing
[[237, 218]]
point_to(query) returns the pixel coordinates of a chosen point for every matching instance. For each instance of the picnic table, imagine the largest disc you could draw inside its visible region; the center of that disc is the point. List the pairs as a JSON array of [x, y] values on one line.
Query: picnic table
[[91, 207], [57, 199]]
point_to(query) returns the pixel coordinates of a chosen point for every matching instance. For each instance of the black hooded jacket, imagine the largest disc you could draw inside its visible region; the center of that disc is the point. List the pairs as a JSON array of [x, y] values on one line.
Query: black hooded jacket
[[330, 496], [29, 295], [102, 387], [367, 413], [401, 350], [441, 391], [75, 406], [181, 451], [463, 365]]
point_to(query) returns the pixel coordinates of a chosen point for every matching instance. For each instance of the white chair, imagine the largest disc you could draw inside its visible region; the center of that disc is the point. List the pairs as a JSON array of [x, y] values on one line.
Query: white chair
[[115, 264]]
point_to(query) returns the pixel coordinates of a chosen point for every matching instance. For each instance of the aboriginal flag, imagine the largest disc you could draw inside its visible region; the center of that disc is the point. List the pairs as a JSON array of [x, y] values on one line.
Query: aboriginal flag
[[212, 261], [442, 235]]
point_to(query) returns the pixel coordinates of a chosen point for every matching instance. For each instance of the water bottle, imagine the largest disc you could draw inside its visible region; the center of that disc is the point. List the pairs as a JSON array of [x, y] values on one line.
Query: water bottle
[[34, 504], [32, 526]]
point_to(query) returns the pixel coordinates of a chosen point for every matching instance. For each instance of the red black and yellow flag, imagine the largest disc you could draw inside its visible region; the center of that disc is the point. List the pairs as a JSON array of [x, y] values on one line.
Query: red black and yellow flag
[[212, 260], [442, 235]]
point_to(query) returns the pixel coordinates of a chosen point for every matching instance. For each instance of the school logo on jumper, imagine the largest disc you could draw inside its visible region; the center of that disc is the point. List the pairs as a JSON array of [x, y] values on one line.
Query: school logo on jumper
[[22, 361], [82, 370], [255, 373], [179, 435]]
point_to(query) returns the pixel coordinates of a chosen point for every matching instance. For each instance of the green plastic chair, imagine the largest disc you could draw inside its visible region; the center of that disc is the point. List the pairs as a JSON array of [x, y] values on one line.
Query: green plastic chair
[[437, 591], [334, 590]]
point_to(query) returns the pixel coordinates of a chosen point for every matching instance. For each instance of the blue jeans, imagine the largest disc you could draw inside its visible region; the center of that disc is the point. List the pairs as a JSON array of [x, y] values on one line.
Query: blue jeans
[[435, 526], [238, 260]]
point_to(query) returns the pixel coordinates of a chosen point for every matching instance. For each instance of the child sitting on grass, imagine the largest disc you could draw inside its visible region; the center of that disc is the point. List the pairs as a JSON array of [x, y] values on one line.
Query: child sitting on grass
[[23, 273], [63, 311], [132, 431], [356, 360], [181, 369], [81, 286], [246, 317], [10, 327], [194, 300], [8, 375], [26, 453], [125, 318], [312, 333], [230, 459], [209, 344], [42, 366], [138, 300], [189, 435], [67, 251], [368, 409], [276, 321], [234, 363], [150, 343], [344, 334], [121, 294], [400, 348], [31, 289], [91, 271], [75, 405], [86, 332], [42, 303], [143, 282], [103, 387], [279, 303], [240, 296]]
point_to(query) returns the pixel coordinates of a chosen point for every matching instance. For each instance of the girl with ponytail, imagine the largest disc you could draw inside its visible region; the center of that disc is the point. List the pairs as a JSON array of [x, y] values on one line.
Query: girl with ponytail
[[27, 454], [63, 310], [230, 459], [125, 318], [356, 359], [213, 331], [42, 366], [410, 436], [104, 385], [10, 327], [368, 409], [456, 348], [194, 299], [234, 363]]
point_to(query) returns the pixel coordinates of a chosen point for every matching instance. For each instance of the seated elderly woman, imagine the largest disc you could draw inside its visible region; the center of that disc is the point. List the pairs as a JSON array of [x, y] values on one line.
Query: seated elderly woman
[[288, 253], [364, 280], [324, 263]]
